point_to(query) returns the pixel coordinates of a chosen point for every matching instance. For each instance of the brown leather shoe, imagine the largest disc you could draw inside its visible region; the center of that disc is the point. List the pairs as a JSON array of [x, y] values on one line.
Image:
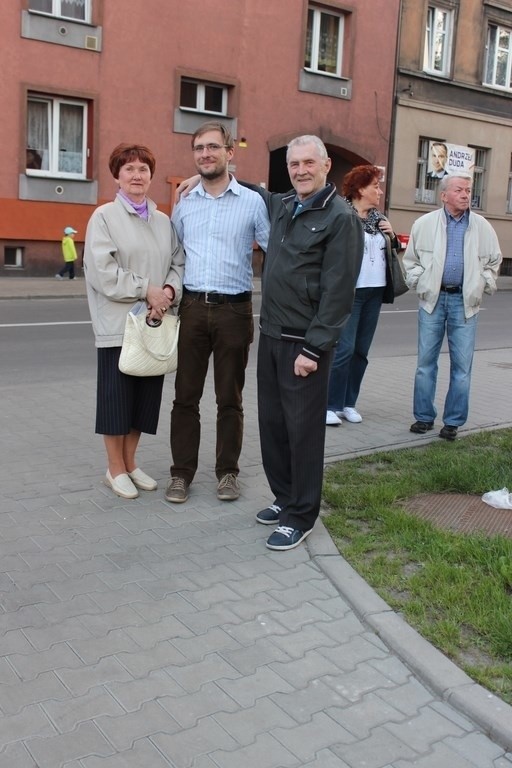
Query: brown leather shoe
[[177, 490], [228, 488]]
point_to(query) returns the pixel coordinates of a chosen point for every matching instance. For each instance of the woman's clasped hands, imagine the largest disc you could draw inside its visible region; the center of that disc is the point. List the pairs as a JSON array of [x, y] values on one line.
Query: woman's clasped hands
[[159, 300]]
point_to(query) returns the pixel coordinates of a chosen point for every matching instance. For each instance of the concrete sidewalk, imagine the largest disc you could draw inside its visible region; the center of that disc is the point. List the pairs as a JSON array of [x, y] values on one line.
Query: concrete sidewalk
[[138, 634], [49, 287]]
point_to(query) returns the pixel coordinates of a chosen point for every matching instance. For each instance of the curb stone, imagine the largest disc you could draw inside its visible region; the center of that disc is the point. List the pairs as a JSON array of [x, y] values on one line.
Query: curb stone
[[430, 665]]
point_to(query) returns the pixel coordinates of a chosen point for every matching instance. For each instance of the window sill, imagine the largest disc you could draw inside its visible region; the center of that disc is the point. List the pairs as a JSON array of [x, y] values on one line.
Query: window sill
[[497, 88], [189, 120], [325, 84], [438, 75], [56, 177], [61, 31], [321, 73], [57, 190], [193, 111], [65, 19]]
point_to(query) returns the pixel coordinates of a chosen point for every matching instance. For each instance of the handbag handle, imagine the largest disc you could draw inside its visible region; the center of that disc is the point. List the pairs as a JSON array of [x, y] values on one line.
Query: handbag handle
[[155, 355]]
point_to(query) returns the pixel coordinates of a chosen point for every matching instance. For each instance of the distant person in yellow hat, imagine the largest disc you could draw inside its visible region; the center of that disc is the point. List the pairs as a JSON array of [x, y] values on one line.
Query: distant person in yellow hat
[[69, 254]]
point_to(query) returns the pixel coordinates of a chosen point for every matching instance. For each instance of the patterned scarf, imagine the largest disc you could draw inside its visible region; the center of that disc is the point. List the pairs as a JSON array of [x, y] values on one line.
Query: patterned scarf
[[371, 222]]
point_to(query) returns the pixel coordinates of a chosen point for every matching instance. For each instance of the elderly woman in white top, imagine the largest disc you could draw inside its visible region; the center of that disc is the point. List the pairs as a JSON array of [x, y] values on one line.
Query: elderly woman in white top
[[132, 253], [361, 189]]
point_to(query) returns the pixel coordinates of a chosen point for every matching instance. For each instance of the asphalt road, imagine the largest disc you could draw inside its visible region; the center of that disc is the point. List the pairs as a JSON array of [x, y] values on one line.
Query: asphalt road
[[52, 339]]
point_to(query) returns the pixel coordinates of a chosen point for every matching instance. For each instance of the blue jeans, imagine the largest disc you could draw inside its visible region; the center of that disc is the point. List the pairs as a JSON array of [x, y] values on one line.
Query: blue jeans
[[351, 353], [448, 316]]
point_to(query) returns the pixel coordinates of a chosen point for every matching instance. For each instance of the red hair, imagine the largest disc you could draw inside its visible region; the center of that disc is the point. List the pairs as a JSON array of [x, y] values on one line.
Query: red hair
[[359, 177], [127, 153]]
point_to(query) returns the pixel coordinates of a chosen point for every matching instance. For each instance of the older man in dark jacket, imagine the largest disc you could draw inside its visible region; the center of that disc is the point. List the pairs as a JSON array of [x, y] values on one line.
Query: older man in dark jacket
[[310, 271]]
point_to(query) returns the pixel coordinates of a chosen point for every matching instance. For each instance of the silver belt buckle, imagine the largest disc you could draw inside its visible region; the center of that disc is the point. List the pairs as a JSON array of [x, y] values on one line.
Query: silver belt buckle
[[207, 297]]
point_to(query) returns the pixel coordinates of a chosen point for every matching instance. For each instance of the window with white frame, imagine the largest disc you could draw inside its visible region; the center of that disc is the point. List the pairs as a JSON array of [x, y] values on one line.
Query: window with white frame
[[79, 10], [206, 97], [509, 190], [438, 41], [498, 66], [426, 186], [324, 41], [479, 178], [56, 137]]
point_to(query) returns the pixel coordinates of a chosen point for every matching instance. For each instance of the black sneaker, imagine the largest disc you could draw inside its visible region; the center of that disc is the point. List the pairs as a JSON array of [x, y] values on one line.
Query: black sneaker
[[420, 427], [286, 538], [448, 433], [269, 515]]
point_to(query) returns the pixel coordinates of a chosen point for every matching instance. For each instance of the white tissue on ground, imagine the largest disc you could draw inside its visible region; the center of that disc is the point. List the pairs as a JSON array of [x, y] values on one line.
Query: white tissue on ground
[[498, 499]]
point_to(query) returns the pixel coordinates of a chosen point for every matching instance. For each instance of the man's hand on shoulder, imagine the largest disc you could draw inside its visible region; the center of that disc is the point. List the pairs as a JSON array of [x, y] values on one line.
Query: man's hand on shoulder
[[186, 186]]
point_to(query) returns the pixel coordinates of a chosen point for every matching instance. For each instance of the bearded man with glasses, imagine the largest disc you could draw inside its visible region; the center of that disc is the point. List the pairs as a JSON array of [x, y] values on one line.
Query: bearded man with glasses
[[217, 222]]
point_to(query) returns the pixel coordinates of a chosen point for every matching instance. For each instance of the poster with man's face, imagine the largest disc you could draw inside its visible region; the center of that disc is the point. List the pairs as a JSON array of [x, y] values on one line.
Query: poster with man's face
[[449, 159]]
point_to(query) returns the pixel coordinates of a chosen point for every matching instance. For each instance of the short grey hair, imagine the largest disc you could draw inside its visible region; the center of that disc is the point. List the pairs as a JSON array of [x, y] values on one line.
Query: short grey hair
[[444, 181], [301, 140]]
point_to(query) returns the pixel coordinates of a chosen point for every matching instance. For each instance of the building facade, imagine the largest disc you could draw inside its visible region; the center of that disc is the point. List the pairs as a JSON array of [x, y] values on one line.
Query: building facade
[[84, 75], [454, 97]]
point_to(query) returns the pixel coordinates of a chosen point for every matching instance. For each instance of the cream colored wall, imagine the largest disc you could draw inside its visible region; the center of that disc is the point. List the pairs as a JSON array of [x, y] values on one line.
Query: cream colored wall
[[470, 16], [426, 120], [415, 118]]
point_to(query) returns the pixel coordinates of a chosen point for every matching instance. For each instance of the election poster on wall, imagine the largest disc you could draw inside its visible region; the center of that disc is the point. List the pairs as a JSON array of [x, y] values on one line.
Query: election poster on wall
[[449, 159]]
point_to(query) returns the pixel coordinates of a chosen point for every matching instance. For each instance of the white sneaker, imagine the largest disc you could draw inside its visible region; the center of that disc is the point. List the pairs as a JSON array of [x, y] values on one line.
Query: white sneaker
[[332, 420], [350, 414]]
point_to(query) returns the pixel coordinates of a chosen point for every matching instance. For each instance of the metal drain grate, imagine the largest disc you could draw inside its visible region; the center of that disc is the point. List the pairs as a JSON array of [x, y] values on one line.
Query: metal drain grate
[[461, 513]]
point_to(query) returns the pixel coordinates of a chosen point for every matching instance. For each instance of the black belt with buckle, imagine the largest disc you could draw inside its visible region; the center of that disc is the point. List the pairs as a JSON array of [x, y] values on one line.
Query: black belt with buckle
[[211, 297], [451, 288]]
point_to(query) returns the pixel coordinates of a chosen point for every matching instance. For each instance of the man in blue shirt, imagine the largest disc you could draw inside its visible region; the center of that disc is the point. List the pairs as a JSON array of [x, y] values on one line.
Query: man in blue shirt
[[217, 223]]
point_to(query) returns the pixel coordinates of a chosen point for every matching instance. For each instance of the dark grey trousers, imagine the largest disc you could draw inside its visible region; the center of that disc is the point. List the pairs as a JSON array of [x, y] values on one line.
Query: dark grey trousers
[[291, 415]]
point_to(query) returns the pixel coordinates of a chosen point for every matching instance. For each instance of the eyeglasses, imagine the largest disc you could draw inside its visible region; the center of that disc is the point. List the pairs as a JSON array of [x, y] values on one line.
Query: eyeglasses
[[209, 148]]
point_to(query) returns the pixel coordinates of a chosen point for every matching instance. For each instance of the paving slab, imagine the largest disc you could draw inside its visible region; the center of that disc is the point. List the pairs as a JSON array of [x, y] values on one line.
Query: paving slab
[[139, 633]]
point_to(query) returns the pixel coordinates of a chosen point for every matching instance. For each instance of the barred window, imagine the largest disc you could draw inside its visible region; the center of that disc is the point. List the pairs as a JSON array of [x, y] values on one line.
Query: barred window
[[426, 187], [479, 178]]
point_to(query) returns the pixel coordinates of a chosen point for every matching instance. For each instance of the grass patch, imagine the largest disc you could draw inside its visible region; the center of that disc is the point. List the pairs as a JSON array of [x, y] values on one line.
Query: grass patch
[[455, 589]]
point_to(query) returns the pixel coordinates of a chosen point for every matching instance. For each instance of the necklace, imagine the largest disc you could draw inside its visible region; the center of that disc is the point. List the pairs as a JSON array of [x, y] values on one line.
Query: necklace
[[372, 247]]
